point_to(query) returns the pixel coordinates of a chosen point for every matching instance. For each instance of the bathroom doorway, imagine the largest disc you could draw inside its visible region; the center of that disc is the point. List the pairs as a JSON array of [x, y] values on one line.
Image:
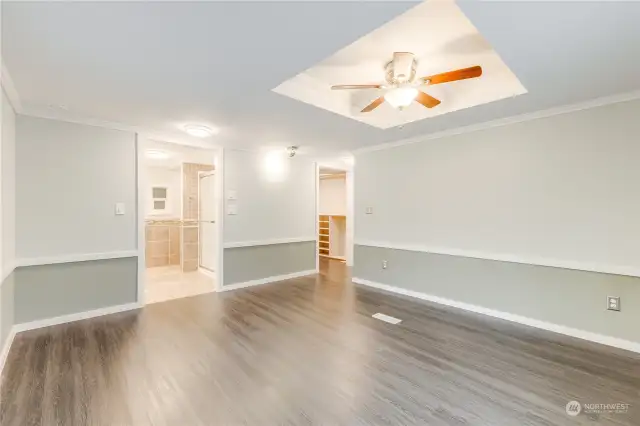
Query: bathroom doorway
[[177, 199]]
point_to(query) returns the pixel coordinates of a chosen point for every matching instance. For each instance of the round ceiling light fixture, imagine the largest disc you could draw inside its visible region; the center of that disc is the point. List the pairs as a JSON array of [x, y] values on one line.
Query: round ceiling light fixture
[[157, 154], [199, 131]]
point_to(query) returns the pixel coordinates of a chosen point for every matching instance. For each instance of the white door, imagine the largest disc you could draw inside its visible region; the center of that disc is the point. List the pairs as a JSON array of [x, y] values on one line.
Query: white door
[[207, 221]]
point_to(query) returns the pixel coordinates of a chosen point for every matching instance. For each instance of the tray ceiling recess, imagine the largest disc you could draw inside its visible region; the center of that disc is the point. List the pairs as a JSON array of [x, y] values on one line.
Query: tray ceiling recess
[[432, 38]]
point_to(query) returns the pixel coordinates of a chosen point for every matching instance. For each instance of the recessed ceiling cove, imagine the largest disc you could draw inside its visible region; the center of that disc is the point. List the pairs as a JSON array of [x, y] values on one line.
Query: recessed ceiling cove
[[440, 38]]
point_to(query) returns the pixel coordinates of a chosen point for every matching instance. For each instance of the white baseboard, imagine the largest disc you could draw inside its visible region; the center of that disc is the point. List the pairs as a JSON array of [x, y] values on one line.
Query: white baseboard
[[556, 328], [268, 280], [5, 351], [75, 317], [208, 273]]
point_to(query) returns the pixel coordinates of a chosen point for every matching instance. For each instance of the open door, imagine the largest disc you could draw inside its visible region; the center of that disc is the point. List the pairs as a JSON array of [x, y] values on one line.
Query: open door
[[207, 216]]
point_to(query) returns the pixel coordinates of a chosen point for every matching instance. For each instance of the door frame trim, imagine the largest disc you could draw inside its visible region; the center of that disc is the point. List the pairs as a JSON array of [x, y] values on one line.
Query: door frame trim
[[206, 271]]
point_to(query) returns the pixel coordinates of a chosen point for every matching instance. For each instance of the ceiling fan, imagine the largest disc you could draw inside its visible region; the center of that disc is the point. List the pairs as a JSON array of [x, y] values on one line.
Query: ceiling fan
[[402, 85]]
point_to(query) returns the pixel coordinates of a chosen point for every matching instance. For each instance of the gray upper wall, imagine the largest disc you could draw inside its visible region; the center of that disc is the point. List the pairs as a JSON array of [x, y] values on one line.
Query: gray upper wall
[[276, 200], [562, 188], [7, 217], [69, 178], [276, 196], [8, 185]]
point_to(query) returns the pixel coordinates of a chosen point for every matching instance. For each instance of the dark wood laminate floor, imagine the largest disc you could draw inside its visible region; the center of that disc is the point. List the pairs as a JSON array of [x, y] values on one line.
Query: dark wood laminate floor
[[307, 351]]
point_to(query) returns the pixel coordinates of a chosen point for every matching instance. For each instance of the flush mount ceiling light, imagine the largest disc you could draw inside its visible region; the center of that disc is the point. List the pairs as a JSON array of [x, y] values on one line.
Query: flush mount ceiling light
[[199, 131], [157, 154]]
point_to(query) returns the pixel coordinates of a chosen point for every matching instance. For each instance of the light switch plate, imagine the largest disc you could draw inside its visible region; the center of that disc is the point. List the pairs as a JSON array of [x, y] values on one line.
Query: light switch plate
[[119, 209], [232, 209], [232, 194], [613, 303]]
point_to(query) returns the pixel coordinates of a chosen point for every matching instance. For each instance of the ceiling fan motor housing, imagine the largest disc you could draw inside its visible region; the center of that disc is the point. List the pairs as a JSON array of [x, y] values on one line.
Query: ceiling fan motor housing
[[402, 69]]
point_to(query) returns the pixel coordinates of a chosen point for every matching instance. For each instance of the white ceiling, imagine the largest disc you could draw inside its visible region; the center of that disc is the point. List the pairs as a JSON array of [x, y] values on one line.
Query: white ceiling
[[158, 65], [427, 30]]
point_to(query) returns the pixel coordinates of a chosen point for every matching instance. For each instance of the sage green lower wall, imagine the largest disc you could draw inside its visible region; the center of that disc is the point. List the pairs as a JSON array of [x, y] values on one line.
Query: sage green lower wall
[[565, 297], [49, 291], [242, 264], [6, 308]]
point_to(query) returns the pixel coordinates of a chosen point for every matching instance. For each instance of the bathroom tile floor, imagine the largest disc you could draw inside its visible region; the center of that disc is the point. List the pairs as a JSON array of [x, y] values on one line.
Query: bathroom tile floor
[[169, 282]]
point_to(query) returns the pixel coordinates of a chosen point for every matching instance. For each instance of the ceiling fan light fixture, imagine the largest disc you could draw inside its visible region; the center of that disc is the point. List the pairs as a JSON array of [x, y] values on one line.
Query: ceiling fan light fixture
[[401, 97]]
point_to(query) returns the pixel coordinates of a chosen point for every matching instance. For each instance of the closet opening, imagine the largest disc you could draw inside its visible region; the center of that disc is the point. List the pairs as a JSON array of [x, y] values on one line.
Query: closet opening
[[333, 216]]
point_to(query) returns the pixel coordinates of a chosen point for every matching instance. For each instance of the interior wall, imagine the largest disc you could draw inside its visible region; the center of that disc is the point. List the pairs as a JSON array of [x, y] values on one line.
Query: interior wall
[[274, 197], [559, 188], [333, 196], [7, 219], [8, 167], [556, 191], [69, 178]]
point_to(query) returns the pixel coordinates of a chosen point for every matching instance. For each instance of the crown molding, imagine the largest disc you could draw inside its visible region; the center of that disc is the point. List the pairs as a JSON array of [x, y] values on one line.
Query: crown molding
[[10, 89], [564, 109], [52, 114]]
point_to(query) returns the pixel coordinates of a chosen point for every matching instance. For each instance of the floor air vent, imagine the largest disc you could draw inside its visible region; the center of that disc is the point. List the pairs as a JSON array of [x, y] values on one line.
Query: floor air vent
[[386, 318]]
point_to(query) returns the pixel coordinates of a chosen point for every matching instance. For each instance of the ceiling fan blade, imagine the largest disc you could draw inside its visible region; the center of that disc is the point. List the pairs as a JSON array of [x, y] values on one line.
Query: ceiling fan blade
[[456, 75], [373, 105], [427, 100], [356, 86]]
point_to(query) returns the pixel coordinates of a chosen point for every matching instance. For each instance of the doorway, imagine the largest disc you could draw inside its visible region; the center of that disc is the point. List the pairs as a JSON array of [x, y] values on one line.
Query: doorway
[[177, 223], [334, 208]]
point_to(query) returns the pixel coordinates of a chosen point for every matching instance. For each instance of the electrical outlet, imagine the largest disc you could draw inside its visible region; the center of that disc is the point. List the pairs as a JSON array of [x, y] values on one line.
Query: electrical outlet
[[384, 264], [369, 210], [613, 303]]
